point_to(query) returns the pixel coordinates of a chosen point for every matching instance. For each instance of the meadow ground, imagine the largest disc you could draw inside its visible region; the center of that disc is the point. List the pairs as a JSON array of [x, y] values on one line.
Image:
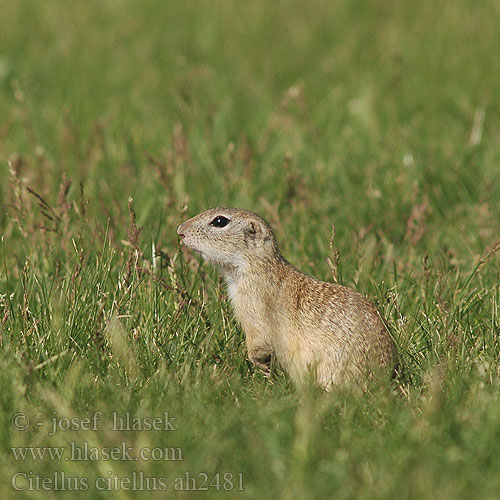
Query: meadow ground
[[382, 118]]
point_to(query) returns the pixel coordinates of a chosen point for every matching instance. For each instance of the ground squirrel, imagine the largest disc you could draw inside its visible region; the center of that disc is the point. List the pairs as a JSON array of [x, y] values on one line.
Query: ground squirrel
[[311, 327]]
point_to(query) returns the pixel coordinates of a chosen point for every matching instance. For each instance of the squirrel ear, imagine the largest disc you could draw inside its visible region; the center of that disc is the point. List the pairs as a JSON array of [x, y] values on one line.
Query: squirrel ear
[[252, 229]]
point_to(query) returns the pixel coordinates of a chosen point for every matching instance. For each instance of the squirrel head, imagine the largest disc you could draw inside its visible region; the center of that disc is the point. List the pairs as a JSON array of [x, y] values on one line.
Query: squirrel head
[[230, 238]]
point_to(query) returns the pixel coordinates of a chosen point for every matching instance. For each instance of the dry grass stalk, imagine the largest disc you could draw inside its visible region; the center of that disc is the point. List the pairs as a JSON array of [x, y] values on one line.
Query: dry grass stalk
[[333, 262]]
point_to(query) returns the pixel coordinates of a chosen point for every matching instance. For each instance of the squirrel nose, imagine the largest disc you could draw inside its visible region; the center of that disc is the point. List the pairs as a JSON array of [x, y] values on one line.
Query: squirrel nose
[[180, 233]]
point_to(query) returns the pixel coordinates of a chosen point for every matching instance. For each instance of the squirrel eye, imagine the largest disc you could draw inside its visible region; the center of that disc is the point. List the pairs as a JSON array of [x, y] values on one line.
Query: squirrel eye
[[220, 221]]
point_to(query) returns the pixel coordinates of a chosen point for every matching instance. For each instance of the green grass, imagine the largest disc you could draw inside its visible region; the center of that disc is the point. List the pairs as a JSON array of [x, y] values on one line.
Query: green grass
[[380, 118]]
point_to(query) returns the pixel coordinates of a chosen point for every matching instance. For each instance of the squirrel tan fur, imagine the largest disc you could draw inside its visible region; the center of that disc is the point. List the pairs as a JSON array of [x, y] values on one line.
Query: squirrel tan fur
[[309, 326]]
